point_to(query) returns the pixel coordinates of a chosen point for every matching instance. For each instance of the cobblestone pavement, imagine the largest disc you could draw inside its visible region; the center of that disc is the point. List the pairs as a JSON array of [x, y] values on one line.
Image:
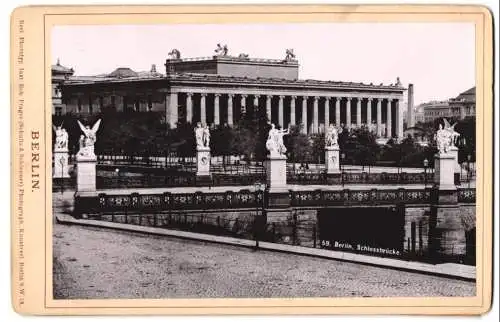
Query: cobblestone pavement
[[100, 263]]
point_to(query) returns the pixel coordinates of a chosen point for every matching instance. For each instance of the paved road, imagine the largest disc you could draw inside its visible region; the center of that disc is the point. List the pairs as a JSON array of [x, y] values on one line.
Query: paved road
[[99, 263]]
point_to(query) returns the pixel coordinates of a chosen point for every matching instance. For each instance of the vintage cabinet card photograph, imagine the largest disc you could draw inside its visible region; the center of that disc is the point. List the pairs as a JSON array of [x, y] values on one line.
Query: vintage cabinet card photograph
[[263, 159]]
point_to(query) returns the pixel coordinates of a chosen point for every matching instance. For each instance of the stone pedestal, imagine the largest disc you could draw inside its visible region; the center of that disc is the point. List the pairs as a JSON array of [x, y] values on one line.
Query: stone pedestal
[[61, 168], [332, 163], [276, 173], [444, 171], [202, 164], [447, 233], [86, 174], [278, 195], [454, 151]]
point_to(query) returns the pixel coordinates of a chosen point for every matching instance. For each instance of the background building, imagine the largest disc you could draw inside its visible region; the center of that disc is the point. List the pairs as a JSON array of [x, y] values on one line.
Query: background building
[[460, 107], [216, 90], [60, 74]]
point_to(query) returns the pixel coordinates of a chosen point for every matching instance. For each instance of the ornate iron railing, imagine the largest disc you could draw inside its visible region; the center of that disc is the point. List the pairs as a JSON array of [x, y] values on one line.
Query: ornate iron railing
[[467, 195], [179, 201], [348, 197], [388, 177], [321, 177]]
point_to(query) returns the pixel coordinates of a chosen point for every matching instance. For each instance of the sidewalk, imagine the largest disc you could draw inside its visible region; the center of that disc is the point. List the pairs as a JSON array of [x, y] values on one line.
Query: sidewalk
[[447, 269]]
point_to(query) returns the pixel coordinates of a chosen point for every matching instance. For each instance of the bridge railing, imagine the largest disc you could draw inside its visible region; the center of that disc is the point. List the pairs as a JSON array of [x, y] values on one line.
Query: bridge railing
[[321, 177], [245, 199], [360, 197]]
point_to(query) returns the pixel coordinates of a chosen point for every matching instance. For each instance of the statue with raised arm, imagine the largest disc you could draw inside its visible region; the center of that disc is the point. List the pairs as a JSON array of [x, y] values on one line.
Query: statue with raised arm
[[61, 143], [274, 143], [453, 135], [88, 140], [281, 144]]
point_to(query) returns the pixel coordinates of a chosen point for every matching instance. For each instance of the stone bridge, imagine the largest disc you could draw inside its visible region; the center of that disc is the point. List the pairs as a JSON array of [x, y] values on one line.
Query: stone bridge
[[409, 220]]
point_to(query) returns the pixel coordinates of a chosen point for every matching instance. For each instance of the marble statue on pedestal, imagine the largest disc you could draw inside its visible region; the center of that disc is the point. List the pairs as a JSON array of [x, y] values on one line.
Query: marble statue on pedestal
[[60, 168], [61, 138], [202, 136], [274, 143], [332, 136], [88, 139], [446, 137]]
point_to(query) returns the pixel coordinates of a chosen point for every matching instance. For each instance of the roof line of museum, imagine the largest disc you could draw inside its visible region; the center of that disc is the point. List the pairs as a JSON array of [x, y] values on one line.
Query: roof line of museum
[[215, 77]]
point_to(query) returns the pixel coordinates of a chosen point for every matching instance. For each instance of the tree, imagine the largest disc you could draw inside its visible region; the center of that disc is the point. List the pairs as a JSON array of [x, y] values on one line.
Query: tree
[[221, 143], [318, 147], [250, 135], [360, 146], [298, 145]]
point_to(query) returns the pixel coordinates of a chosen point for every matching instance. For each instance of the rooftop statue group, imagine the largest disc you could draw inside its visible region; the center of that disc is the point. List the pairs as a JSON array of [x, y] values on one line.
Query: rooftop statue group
[[202, 136], [274, 143], [446, 137], [221, 50]]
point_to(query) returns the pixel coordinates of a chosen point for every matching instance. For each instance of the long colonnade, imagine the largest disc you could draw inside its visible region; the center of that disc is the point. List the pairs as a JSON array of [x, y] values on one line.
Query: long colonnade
[[382, 114]]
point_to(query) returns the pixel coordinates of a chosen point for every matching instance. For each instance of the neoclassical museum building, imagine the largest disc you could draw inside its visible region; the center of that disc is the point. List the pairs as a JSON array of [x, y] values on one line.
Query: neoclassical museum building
[[215, 90]]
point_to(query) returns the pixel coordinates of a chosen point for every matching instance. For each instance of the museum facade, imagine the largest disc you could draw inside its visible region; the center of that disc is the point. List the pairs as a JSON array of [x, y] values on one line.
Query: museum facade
[[216, 90]]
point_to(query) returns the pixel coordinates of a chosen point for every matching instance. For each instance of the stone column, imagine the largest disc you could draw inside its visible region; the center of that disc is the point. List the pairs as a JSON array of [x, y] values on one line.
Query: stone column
[[400, 120], [327, 112], [243, 103], [369, 113], [268, 108], [203, 108], [189, 107], [316, 115], [304, 115], [172, 109], [348, 113], [358, 112], [292, 110], [230, 109], [379, 117], [281, 120], [389, 118], [337, 111], [216, 109], [256, 102]]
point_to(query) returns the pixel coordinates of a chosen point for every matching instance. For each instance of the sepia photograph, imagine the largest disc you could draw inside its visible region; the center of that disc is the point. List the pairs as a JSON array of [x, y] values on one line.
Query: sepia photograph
[[263, 160]]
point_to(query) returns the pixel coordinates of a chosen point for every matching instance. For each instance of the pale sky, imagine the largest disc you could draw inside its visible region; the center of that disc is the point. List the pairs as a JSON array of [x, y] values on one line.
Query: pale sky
[[438, 58]]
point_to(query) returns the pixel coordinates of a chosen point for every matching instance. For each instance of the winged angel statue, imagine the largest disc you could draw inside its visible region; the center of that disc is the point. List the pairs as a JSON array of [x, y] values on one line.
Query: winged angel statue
[[88, 139], [446, 137]]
